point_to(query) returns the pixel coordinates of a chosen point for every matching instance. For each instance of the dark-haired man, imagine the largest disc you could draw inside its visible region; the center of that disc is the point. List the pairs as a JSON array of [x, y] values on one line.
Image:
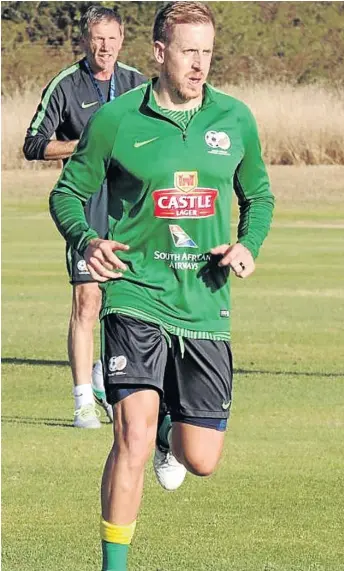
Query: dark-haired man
[[173, 151], [67, 104]]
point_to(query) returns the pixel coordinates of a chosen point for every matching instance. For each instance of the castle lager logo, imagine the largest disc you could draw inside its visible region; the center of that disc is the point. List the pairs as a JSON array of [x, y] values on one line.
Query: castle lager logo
[[186, 200], [185, 181]]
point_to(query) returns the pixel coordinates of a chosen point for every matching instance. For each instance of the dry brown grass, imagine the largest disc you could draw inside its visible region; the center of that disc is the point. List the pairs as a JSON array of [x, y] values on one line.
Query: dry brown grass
[[308, 186], [298, 125], [16, 114]]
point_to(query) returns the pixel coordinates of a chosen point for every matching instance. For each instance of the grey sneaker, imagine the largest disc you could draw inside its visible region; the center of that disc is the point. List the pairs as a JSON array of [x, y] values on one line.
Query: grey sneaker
[[87, 416], [98, 390]]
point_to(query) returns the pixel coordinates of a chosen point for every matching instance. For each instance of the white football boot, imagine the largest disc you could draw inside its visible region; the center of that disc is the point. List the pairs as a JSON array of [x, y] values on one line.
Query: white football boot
[[169, 472]]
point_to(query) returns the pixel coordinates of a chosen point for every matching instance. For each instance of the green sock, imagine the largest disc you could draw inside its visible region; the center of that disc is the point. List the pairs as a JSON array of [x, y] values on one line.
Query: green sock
[[164, 429], [114, 556]]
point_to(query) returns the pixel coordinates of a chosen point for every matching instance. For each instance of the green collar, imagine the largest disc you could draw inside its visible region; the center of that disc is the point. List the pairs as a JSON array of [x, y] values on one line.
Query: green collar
[[152, 104]]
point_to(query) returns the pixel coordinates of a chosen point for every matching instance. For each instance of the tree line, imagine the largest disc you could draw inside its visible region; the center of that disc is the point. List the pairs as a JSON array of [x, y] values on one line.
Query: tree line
[[294, 42]]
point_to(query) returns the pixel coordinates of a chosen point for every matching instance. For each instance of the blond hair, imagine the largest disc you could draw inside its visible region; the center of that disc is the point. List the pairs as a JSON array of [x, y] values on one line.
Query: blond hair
[[173, 13]]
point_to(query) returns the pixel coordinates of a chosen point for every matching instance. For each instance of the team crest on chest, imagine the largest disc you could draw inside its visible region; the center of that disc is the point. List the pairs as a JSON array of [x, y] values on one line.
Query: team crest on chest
[[218, 141]]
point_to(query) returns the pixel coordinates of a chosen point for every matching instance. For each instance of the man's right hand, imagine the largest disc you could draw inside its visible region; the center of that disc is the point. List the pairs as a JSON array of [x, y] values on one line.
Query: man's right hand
[[101, 260]]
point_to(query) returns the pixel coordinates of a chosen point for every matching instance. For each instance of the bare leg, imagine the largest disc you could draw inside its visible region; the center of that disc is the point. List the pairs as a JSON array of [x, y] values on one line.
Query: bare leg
[[135, 423], [198, 449], [85, 313]]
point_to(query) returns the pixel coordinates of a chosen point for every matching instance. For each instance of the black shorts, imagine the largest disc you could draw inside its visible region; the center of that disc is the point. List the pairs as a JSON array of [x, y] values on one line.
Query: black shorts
[[194, 376], [77, 268]]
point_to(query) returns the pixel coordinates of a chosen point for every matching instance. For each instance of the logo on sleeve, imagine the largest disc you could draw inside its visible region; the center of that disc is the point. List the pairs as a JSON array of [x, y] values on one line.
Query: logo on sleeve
[[186, 199]]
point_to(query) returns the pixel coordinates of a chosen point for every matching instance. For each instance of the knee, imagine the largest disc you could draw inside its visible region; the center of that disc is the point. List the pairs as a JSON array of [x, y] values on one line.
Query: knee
[[134, 442], [199, 465], [199, 449], [86, 305]]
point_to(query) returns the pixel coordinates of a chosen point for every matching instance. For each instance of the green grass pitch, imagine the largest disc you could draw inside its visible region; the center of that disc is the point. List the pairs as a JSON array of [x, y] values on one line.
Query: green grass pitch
[[276, 501]]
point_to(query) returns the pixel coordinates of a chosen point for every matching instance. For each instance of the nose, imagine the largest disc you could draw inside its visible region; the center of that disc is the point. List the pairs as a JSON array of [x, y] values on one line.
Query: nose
[[105, 44], [197, 61]]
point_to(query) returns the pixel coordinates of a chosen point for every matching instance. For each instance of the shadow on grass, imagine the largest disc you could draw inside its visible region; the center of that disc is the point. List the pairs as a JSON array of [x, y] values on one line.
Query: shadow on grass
[[61, 422], [8, 419], [16, 361], [291, 373]]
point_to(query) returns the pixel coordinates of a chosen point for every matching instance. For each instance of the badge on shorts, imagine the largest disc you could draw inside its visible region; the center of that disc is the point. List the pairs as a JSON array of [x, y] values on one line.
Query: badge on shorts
[[117, 363]]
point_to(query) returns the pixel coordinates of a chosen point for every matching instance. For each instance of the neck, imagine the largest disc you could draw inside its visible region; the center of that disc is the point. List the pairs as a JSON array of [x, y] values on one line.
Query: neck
[[101, 74], [167, 99]]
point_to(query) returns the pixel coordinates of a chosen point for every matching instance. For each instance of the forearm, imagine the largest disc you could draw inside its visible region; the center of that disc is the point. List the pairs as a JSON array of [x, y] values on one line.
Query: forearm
[[56, 150], [254, 222], [252, 187], [67, 211]]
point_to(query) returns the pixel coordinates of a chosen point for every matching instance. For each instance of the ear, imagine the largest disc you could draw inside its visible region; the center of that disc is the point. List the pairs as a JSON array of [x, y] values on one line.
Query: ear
[[159, 51], [121, 29]]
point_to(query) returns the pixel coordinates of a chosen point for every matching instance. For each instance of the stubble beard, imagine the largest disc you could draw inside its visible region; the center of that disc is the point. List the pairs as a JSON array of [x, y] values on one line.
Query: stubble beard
[[183, 94]]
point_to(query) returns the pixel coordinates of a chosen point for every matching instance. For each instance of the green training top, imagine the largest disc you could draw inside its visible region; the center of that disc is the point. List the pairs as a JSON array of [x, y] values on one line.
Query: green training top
[[170, 190]]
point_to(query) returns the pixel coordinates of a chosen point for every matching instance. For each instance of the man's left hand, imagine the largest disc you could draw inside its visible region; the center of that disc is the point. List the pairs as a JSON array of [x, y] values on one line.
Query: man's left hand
[[238, 257]]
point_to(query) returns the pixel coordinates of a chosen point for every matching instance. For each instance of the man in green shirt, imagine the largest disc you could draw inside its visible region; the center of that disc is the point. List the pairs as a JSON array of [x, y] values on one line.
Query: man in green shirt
[[173, 151]]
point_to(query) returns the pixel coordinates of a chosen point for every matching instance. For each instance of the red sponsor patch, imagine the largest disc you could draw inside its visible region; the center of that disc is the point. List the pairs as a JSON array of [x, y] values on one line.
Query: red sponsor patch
[[172, 203]]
